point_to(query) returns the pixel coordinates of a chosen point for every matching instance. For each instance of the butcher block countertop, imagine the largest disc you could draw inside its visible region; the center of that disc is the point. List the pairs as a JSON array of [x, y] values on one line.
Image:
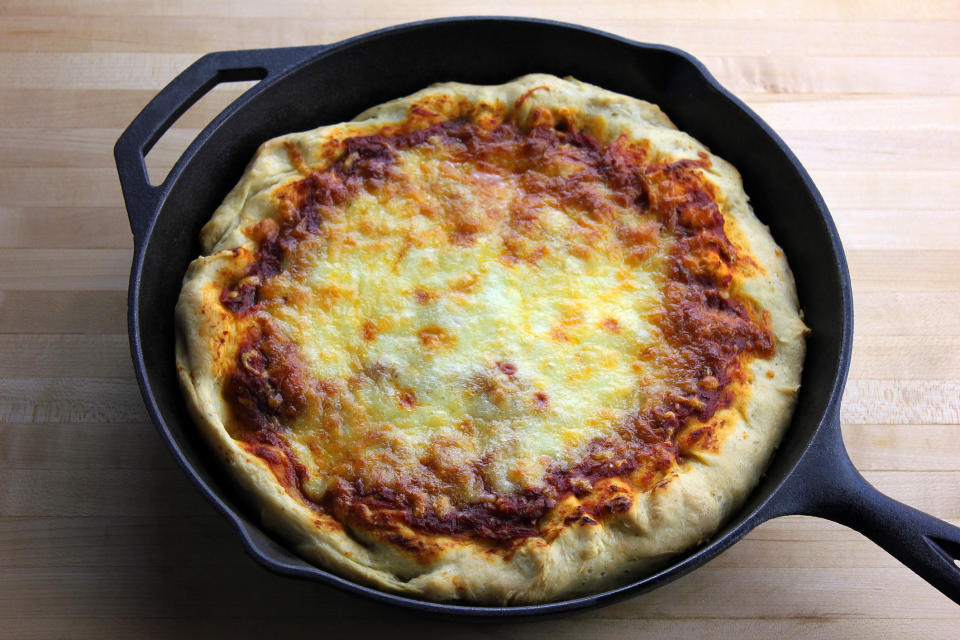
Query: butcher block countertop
[[102, 535]]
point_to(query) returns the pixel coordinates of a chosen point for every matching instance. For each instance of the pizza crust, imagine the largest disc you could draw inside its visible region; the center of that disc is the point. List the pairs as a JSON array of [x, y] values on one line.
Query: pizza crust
[[585, 557]]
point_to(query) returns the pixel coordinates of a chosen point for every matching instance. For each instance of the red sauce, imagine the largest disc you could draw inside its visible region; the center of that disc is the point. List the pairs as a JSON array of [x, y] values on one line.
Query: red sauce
[[707, 328], [271, 384], [508, 368]]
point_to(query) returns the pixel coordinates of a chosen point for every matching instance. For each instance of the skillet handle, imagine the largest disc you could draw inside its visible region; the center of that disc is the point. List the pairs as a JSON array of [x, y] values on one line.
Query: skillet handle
[[826, 484], [143, 199]]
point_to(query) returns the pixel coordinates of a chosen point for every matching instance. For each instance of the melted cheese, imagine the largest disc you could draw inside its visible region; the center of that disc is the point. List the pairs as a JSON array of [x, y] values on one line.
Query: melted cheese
[[445, 322]]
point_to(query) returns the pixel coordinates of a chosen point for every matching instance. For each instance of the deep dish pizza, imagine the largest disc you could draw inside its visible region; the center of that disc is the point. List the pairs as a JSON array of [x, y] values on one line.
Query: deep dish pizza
[[502, 344]]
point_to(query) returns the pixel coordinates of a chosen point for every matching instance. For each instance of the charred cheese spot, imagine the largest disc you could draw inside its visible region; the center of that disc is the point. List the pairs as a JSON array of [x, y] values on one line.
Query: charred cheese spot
[[423, 296], [407, 399], [463, 324], [369, 330], [434, 338]]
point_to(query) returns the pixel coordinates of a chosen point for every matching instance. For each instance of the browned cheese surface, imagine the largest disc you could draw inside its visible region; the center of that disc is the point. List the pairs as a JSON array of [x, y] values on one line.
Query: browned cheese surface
[[625, 205]]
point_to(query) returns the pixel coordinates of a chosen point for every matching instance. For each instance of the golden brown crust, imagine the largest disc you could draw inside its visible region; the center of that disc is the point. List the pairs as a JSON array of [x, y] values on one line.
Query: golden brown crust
[[522, 522]]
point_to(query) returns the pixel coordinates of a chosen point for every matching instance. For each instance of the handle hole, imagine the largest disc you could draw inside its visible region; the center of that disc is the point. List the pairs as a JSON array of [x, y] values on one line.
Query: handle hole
[[170, 146]]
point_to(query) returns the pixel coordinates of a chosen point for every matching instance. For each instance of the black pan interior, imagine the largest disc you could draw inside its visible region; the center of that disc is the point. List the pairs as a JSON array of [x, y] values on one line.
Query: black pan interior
[[342, 81]]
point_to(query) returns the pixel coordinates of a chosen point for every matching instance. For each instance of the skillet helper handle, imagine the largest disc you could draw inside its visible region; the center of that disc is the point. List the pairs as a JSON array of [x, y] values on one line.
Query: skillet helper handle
[[827, 485], [142, 198]]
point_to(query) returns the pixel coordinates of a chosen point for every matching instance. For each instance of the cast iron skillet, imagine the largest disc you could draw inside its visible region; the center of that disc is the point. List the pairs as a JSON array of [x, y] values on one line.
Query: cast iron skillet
[[305, 87]]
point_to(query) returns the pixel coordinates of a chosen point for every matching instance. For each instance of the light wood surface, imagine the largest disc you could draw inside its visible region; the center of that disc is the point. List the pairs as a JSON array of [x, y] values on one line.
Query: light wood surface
[[101, 535]]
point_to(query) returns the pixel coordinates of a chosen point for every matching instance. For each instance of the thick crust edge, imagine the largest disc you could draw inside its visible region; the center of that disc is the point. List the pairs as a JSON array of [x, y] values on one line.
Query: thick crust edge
[[699, 497]]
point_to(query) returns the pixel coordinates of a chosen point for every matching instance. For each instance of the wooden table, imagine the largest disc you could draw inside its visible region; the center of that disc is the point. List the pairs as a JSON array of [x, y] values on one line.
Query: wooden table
[[101, 535]]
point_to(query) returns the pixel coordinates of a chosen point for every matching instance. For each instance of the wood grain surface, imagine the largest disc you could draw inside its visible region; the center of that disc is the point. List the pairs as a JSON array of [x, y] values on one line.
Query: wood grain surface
[[101, 535]]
